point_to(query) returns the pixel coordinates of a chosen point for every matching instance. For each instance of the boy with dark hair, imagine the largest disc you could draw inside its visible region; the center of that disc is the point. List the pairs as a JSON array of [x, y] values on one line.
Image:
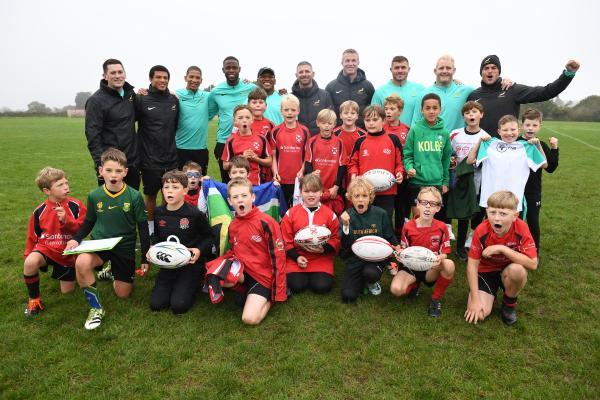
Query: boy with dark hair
[[427, 151], [310, 266], [326, 159], [113, 209], [378, 150], [501, 253], [176, 288], [193, 173], [192, 127], [256, 258], [246, 143], [532, 123], [360, 220], [312, 98], [430, 233], [51, 225], [157, 114], [257, 101]]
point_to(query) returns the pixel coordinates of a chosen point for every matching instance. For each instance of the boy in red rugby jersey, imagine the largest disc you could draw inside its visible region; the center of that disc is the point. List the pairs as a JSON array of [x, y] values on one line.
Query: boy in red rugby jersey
[[348, 132], [325, 158], [51, 225], [245, 143], [310, 266], [257, 101], [427, 232], [501, 254], [288, 142]]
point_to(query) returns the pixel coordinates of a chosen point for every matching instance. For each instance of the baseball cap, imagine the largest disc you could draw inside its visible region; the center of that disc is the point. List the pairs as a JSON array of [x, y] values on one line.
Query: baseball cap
[[266, 70]]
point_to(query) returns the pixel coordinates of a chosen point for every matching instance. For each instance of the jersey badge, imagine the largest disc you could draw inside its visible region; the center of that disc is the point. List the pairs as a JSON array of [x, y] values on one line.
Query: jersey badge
[[256, 145], [435, 241], [279, 244], [162, 223], [256, 238], [360, 91], [365, 153], [317, 103], [99, 207], [387, 151], [184, 223], [334, 151], [298, 138], [126, 207]]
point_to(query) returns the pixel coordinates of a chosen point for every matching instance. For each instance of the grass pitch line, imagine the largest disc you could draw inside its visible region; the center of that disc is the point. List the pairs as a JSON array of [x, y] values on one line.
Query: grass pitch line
[[574, 138]]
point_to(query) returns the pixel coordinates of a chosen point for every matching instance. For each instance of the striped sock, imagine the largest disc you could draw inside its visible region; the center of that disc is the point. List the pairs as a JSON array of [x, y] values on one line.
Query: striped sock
[[509, 301], [92, 296], [33, 285]]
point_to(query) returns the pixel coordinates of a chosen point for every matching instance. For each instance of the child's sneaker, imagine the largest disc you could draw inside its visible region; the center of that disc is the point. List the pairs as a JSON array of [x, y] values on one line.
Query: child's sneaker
[[374, 288], [392, 268], [462, 254], [435, 308], [34, 306], [106, 274], [94, 318], [509, 315], [450, 233]]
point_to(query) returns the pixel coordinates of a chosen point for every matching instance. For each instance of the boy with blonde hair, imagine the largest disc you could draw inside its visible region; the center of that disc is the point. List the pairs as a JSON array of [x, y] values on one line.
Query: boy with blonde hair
[[348, 132], [501, 254], [51, 225]]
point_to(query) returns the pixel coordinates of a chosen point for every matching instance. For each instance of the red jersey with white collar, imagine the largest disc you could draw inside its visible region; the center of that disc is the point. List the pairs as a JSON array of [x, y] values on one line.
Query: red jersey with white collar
[[435, 237], [48, 235], [400, 130], [237, 144], [256, 240], [290, 146], [348, 138], [518, 238], [299, 217], [377, 150], [327, 156]]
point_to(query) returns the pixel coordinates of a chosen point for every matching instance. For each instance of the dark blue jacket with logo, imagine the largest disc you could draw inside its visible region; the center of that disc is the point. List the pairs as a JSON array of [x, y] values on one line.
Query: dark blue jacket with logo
[[360, 90], [312, 100]]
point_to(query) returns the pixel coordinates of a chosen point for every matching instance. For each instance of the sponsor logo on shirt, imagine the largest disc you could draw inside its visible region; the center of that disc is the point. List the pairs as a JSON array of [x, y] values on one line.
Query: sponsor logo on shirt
[[184, 223], [503, 147], [360, 91], [502, 94], [256, 238], [151, 108], [162, 223], [173, 107], [316, 103], [338, 91], [365, 153], [387, 151]]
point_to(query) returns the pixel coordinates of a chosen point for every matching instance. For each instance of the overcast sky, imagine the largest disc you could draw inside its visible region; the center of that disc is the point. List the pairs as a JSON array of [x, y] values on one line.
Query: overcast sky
[[53, 49]]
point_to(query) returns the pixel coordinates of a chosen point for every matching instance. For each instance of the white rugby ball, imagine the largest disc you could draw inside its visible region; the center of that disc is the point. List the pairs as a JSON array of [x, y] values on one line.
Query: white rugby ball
[[417, 258], [312, 235], [372, 248], [169, 254], [381, 179]]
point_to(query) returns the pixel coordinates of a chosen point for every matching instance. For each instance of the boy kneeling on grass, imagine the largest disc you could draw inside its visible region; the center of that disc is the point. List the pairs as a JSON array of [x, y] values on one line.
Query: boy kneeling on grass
[[501, 252]]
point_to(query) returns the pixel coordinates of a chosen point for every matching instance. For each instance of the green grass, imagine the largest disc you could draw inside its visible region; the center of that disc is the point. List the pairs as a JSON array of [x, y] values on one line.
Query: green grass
[[312, 347]]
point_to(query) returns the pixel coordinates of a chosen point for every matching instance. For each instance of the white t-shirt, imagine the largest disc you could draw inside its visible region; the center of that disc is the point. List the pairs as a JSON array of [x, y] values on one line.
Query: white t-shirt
[[505, 166], [462, 143]]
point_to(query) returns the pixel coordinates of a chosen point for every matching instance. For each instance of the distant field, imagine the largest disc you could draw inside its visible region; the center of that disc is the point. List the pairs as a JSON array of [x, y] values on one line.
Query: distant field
[[312, 347]]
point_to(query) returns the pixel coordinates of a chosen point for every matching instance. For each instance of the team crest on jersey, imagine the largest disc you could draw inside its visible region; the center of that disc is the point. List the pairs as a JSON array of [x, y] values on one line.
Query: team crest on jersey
[[316, 103], [173, 107], [435, 241], [131, 99], [184, 223], [126, 206], [298, 138], [387, 151], [256, 145], [334, 151], [361, 90], [365, 153], [99, 206], [502, 147], [256, 238], [279, 244], [162, 223]]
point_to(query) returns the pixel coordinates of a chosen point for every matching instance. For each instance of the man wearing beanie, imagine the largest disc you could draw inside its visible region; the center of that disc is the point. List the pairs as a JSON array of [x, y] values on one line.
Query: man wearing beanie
[[498, 102]]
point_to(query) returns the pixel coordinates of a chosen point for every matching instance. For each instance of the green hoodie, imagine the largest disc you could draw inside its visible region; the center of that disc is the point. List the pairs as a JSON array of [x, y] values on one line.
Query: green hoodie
[[428, 150]]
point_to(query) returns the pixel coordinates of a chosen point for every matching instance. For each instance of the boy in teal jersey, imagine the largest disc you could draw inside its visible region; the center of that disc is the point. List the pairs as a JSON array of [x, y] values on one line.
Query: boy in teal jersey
[[427, 151], [222, 100], [192, 128], [114, 209], [408, 91]]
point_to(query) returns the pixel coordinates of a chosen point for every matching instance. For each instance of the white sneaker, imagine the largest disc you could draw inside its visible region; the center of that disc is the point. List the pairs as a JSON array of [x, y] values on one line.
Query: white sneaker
[[449, 226], [469, 240], [94, 318], [106, 273], [374, 288]]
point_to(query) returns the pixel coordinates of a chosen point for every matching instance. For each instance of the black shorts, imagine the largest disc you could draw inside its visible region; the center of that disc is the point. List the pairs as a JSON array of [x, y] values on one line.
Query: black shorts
[[152, 180], [490, 282], [123, 268], [60, 272], [419, 275], [253, 287], [199, 156]]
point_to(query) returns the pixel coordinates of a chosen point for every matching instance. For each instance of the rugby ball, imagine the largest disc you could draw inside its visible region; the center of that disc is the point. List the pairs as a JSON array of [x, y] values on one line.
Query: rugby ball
[[372, 248], [169, 254], [417, 258], [312, 235], [381, 179]]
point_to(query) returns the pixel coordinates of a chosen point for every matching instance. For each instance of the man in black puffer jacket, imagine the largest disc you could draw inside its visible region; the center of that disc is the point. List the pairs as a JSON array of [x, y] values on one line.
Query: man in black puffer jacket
[[312, 99], [350, 84]]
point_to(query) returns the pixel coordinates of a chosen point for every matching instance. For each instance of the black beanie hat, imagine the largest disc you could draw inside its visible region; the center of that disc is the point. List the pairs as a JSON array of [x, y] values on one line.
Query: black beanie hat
[[491, 59]]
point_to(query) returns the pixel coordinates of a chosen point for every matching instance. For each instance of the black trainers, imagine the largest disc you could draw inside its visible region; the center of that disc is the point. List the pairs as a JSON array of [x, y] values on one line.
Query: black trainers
[[435, 308], [462, 254], [509, 315]]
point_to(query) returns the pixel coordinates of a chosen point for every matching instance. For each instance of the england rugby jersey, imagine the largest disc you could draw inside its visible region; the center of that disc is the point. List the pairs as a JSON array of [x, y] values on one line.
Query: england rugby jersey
[[506, 167]]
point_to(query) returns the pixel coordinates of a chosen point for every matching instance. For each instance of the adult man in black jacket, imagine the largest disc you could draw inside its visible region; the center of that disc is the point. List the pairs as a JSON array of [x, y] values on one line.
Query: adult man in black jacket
[[498, 102], [350, 84], [157, 114], [110, 120], [312, 99]]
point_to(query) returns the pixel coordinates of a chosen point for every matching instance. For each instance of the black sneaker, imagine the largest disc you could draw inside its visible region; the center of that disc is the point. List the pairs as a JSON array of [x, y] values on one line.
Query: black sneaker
[[509, 315], [414, 293], [435, 308], [462, 254]]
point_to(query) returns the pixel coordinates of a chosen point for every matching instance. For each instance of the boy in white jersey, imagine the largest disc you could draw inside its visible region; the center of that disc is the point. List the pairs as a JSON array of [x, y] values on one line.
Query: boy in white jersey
[[506, 162]]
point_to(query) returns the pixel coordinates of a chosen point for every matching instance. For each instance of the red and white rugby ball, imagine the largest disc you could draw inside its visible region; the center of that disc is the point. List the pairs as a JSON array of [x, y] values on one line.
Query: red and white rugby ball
[[372, 248], [312, 235], [169, 254], [381, 179], [417, 258]]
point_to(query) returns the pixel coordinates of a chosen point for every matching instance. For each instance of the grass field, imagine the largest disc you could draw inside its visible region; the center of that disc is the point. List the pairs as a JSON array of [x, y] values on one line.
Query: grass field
[[312, 347]]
